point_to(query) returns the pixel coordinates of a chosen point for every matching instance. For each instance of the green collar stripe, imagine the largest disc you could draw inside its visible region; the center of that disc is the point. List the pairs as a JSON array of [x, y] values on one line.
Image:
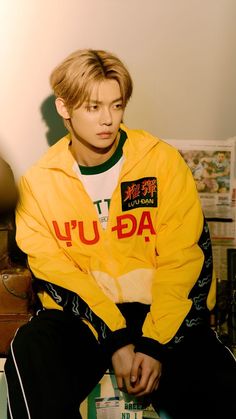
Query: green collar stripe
[[94, 170]]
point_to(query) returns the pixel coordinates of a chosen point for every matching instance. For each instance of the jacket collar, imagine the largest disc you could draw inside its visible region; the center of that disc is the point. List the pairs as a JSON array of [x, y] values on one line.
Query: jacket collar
[[137, 145]]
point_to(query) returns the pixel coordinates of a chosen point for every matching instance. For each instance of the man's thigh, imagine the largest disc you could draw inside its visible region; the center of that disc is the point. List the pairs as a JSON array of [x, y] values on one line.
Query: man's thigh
[[54, 359], [199, 381]]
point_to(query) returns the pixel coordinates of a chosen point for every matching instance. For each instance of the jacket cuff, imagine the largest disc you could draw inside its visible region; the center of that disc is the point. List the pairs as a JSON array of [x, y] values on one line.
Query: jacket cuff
[[150, 347], [117, 340]]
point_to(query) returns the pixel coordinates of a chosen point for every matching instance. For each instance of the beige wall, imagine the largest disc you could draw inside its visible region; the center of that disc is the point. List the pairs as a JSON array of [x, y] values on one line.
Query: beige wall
[[181, 53]]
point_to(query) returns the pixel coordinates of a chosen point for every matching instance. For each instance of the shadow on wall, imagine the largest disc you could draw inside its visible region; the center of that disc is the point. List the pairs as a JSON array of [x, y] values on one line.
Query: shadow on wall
[[56, 128]]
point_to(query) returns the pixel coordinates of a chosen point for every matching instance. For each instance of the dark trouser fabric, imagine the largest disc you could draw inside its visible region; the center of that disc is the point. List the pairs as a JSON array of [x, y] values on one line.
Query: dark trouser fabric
[[198, 380], [55, 362]]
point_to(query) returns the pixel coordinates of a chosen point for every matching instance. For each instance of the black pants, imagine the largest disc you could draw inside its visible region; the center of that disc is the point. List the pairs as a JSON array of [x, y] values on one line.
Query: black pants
[[55, 362], [198, 380]]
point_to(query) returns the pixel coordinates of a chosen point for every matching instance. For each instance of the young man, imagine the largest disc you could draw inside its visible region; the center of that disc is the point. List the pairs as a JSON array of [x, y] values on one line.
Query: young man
[[114, 232]]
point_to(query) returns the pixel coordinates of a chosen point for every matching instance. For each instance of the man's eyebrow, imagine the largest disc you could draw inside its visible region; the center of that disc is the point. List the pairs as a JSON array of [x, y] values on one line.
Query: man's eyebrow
[[98, 102]]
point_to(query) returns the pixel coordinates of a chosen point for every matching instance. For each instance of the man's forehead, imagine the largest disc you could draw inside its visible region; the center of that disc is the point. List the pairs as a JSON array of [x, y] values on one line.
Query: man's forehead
[[105, 90]]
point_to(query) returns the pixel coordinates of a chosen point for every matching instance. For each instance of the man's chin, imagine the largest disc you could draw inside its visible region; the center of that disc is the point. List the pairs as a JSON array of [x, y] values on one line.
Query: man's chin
[[104, 146]]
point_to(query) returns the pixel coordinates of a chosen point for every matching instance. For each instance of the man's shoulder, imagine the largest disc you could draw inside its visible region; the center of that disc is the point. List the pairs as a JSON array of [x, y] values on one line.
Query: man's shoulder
[[51, 158], [54, 152], [142, 139]]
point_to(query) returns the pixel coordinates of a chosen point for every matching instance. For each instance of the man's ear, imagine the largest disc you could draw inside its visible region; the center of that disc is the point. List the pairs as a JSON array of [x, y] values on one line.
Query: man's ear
[[61, 108]]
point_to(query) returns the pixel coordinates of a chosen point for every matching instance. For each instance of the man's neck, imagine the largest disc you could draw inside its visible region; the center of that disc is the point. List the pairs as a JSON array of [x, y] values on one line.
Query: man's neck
[[90, 156]]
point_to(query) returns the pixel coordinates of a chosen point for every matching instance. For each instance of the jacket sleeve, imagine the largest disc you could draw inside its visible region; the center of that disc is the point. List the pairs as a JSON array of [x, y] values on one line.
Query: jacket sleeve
[[182, 262], [52, 265]]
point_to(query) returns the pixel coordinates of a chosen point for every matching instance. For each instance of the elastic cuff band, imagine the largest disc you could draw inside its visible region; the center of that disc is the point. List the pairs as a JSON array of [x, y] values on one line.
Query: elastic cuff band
[[150, 347], [117, 340]]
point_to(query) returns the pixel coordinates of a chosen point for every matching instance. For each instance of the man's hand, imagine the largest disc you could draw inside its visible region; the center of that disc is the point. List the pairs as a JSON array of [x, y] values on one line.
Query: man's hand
[[122, 361], [136, 373], [145, 374]]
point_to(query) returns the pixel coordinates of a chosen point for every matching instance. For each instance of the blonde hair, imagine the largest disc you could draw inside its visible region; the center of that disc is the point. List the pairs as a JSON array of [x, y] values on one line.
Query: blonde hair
[[73, 79]]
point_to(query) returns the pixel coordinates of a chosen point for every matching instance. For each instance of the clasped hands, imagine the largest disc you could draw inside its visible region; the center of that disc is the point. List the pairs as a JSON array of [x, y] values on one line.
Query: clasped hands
[[136, 373]]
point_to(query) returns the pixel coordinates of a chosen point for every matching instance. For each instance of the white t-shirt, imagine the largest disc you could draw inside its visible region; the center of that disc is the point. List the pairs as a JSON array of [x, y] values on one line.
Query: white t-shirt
[[100, 181]]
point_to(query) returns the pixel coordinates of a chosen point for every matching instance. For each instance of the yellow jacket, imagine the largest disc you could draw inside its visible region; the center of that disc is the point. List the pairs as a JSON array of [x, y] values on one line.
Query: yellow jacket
[[150, 251]]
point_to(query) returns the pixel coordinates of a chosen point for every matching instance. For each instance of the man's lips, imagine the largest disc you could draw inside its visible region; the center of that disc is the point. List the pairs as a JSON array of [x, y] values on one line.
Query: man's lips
[[104, 134]]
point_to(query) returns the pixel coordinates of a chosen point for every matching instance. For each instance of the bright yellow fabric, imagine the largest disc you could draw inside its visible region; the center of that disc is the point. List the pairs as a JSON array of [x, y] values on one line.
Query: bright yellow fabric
[[57, 226]]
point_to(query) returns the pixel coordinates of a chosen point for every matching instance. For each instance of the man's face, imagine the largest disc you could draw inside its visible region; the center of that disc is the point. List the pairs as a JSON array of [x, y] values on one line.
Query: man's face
[[95, 124], [220, 157]]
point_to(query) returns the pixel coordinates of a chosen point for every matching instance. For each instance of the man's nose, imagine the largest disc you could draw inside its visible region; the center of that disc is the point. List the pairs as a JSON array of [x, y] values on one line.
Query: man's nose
[[105, 117]]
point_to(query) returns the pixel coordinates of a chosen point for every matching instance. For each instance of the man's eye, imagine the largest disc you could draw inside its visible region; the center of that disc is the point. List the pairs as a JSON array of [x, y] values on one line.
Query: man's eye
[[92, 108], [118, 106]]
